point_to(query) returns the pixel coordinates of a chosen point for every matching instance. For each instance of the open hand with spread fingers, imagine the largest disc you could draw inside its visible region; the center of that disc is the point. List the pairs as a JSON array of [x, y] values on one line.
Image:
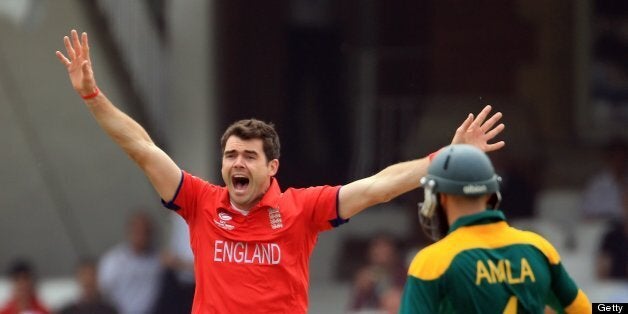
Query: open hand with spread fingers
[[478, 131], [79, 65]]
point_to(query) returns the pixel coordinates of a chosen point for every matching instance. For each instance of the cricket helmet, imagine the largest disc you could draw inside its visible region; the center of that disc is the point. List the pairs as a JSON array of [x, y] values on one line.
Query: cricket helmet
[[457, 169]]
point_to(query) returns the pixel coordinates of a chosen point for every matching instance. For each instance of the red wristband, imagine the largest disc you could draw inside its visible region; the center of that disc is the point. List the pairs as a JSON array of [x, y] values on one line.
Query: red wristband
[[432, 155], [92, 95]]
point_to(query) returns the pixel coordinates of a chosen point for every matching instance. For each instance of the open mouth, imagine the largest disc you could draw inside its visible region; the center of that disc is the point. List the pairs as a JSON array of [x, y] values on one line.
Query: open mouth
[[240, 182]]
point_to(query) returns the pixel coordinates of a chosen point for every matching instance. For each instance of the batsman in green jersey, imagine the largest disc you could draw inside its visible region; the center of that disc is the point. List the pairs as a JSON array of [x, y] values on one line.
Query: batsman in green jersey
[[481, 265]]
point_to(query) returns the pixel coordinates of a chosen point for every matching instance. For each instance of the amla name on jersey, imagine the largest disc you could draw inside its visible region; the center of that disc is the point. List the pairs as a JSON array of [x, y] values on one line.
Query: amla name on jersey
[[489, 272]]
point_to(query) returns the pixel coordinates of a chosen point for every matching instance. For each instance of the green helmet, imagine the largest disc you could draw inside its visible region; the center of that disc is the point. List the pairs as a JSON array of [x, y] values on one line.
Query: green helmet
[[458, 169], [463, 170]]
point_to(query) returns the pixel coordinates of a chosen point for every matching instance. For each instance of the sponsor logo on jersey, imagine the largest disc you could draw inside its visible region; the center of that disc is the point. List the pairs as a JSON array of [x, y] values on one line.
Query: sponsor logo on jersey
[[223, 217], [246, 252], [275, 218]]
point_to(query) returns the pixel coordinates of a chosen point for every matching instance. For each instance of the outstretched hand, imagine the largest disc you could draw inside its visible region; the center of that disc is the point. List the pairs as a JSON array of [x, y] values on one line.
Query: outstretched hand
[[78, 63], [477, 132]]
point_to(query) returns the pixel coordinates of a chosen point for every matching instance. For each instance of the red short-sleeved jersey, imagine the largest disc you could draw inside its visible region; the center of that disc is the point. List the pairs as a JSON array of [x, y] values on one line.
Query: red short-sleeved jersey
[[256, 263]]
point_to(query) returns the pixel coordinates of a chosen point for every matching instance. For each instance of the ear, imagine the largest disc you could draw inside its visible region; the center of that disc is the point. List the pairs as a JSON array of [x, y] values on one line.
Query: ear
[[273, 167]]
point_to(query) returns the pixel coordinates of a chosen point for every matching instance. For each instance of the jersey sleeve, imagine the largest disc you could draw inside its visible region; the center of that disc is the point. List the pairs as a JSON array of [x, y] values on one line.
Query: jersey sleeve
[[321, 205], [564, 289], [569, 297], [185, 198]]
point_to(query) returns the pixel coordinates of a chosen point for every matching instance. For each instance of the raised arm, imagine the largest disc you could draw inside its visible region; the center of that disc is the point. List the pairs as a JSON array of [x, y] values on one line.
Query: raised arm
[[162, 172], [403, 177]]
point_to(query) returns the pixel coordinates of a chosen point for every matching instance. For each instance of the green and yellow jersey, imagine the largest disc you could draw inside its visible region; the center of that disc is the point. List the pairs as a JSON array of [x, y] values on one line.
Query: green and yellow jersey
[[485, 266]]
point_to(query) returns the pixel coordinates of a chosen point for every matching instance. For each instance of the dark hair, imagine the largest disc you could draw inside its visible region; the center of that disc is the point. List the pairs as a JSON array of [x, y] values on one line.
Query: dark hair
[[20, 267], [254, 129]]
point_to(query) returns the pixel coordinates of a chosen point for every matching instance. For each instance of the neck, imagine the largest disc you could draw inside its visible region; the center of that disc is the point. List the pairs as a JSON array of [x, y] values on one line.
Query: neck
[[246, 207], [454, 215], [90, 295], [24, 302], [238, 208], [457, 206]]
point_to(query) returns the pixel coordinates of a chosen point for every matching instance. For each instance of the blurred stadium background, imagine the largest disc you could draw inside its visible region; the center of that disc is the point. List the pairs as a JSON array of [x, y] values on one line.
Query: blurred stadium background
[[351, 86]]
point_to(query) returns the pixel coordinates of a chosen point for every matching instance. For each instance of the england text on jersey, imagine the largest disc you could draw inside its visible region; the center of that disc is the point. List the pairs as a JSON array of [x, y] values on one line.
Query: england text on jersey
[[247, 252]]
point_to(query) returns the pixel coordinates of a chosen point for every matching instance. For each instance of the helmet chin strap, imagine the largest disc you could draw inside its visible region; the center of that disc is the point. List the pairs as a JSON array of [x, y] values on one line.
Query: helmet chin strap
[[495, 200], [431, 215], [428, 206], [436, 226]]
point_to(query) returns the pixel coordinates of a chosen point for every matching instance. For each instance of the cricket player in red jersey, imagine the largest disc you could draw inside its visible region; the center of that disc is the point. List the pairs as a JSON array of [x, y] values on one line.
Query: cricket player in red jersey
[[251, 240]]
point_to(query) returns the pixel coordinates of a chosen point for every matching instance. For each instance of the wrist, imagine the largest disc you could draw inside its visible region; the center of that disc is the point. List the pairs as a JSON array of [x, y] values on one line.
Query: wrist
[[92, 95], [431, 156]]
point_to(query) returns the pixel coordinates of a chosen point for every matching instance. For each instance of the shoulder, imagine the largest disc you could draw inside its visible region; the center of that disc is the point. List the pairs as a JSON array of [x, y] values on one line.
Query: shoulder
[[203, 191], [117, 252], [509, 236], [313, 192], [189, 180], [537, 241], [432, 261], [311, 189]]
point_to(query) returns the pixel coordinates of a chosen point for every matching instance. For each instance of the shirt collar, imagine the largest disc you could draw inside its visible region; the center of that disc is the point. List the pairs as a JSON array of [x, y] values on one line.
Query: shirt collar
[[481, 218], [271, 197]]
